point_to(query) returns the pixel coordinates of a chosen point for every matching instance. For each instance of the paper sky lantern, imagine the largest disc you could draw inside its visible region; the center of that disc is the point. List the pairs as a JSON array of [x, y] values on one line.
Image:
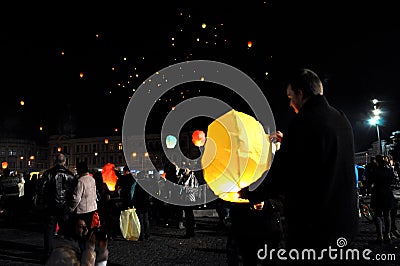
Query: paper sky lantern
[[236, 154], [198, 138], [4, 165], [171, 141], [109, 176], [249, 44]]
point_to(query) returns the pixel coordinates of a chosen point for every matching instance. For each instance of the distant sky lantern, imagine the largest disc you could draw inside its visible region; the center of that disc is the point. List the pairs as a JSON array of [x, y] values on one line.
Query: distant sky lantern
[[22, 103], [249, 44], [105, 141], [4, 165], [81, 74], [204, 25], [198, 138], [41, 128], [59, 149], [171, 141]]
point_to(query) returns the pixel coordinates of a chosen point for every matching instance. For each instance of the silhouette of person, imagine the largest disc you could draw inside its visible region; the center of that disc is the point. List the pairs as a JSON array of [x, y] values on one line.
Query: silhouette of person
[[313, 170]]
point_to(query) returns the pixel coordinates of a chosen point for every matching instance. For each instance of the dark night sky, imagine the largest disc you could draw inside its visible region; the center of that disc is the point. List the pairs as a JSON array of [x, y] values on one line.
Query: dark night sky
[[354, 49]]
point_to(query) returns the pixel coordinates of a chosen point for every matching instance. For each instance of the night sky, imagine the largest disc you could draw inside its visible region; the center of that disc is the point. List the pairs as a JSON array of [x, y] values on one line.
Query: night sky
[[45, 49]]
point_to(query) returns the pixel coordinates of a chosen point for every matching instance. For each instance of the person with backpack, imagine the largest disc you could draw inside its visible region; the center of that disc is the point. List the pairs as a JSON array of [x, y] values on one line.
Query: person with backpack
[[189, 188]]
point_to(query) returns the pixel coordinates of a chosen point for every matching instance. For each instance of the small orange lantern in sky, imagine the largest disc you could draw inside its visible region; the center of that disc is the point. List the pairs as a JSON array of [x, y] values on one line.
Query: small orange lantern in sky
[[198, 138], [4, 165]]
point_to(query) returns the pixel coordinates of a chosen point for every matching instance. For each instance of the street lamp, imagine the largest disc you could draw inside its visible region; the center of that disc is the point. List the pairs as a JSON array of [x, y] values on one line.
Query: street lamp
[[146, 154], [374, 121]]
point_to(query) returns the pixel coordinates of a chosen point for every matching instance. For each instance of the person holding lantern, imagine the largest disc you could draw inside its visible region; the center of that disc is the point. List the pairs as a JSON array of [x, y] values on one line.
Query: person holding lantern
[[313, 170]]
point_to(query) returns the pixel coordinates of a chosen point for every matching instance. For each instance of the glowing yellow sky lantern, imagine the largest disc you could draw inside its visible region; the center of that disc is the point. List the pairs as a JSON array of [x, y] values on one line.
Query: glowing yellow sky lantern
[[236, 154]]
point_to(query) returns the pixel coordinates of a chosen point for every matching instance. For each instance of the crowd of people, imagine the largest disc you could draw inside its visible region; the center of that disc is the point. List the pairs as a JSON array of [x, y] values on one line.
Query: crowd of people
[[289, 209], [78, 209]]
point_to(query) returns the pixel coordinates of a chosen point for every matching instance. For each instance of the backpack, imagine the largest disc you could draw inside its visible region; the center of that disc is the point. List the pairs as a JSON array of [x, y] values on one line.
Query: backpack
[[191, 187]]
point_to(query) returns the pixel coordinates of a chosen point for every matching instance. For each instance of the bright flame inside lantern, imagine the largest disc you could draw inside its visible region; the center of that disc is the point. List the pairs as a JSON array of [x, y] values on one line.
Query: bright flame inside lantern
[[109, 176], [198, 138]]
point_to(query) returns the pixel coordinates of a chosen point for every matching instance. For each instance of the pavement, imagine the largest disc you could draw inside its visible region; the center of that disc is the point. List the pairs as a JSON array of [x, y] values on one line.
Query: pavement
[[21, 244]]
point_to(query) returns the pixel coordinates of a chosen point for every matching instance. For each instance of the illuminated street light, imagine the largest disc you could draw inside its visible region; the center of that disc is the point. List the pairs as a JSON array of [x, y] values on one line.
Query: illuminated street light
[[374, 121]]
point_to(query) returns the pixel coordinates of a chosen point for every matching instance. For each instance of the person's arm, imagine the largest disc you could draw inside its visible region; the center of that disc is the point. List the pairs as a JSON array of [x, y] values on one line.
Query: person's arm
[[271, 186], [89, 254], [77, 196]]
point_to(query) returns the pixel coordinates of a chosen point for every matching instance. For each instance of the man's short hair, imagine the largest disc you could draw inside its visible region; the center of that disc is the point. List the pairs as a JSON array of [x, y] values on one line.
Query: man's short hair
[[60, 159], [305, 80]]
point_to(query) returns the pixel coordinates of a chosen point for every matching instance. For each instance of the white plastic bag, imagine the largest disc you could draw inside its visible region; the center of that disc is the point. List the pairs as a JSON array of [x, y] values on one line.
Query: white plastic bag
[[129, 224]]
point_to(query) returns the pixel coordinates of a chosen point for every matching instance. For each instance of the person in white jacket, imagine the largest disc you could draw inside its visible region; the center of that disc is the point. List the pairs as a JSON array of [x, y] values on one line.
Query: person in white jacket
[[84, 198]]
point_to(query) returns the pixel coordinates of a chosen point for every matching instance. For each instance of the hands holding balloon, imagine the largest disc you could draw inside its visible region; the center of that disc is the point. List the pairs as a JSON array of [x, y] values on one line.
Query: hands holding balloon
[[245, 193], [276, 137]]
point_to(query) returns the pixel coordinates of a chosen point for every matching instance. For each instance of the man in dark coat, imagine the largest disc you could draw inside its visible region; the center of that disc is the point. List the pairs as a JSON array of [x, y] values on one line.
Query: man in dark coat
[[313, 170], [125, 184], [56, 187]]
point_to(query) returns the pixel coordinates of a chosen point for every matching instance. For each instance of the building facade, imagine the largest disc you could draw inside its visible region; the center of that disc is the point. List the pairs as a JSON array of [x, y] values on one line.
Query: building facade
[[98, 151], [23, 155]]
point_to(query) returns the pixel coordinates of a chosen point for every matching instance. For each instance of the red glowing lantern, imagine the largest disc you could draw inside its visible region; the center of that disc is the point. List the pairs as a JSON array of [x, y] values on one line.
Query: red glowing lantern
[[109, 176], [249, 44], [4, 165], [198, 138]]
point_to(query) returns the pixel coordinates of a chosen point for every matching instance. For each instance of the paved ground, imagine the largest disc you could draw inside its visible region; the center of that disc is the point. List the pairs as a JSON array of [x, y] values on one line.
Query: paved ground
[[21, 244]]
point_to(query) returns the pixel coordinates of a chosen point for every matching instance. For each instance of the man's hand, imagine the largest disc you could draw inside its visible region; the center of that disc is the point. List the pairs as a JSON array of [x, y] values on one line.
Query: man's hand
[[276, 137], [91, 240], [244, 193]]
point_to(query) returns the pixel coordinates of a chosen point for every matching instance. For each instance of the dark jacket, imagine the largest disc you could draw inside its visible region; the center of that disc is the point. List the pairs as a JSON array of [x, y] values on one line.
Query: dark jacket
[[381, 180], [125, 183], [314, 171], [141, 199], [58, 185]]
